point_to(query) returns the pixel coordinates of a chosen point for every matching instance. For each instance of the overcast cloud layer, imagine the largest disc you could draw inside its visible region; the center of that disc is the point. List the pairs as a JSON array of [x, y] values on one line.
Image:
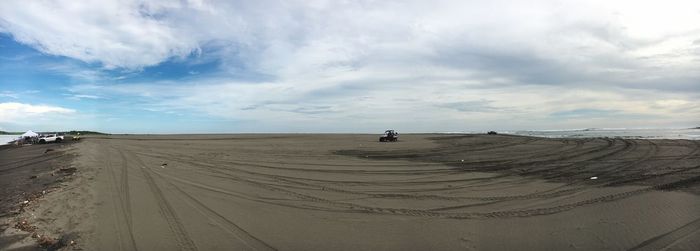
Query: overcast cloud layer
[[363, 66]]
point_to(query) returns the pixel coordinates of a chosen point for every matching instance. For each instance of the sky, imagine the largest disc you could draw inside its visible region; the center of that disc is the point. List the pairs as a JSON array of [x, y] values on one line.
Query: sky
[[197, 66]]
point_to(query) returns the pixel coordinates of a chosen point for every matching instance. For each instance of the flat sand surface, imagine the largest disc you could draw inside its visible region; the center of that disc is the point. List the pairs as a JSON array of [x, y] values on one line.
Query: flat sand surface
[[425, 192]]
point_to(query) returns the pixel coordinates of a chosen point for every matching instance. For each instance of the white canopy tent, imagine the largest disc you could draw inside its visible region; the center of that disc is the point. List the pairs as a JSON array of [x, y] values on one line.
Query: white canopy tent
[[30, 134]]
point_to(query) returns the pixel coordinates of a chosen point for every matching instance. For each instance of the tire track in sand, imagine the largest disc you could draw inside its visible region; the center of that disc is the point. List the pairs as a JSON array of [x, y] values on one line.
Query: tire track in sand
[[38, 160], [458, 215], [121, 186], [619, 149], [247, 238], [669, 239], [643, 176], [183, 239]]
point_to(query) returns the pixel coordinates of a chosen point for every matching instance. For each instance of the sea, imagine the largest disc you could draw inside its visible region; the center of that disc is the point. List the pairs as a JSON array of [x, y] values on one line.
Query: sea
[[691, 134], [4, 139]]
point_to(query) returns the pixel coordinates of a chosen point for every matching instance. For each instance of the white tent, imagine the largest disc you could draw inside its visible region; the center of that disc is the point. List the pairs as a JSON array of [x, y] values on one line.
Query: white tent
[[30, 134]]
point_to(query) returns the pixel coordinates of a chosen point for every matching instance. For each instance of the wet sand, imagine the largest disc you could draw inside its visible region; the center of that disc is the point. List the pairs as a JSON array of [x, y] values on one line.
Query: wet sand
[[349, 192]]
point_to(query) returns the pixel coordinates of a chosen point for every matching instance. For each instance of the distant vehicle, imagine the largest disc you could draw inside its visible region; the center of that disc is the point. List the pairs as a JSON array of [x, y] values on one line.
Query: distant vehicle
[[389, 136], [492, 133], [48, 138]]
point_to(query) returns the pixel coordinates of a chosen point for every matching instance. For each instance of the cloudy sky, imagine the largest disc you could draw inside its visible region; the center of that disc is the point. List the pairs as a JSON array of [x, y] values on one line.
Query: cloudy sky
[[128, 66]]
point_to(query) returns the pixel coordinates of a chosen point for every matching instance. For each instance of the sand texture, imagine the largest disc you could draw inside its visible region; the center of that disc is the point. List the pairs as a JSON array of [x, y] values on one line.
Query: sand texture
[[39, 187], [425, 192]]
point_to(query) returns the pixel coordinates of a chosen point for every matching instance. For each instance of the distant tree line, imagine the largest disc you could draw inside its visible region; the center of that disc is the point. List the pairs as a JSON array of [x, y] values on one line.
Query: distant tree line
[[69, 132], [86, 133]]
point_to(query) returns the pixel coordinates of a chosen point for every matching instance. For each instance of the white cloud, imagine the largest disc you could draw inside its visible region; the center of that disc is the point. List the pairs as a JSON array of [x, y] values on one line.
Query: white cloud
[[672, 102], [12, 112], [82, 96], [115, 33], [87, 96], [8, 94], [381, 62], [293, 37], [436, 107]]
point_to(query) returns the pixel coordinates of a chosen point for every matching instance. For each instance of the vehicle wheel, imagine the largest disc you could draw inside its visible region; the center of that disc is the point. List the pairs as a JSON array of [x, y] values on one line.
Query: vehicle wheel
[[58, 140], [42, 141]]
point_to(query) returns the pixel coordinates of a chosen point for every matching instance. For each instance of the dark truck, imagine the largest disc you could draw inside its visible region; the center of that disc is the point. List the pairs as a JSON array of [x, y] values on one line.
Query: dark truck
[[389, 136]]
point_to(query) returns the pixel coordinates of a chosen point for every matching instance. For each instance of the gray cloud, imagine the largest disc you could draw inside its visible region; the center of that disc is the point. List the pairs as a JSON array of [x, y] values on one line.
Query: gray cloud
[[475, 106], [282, 62]]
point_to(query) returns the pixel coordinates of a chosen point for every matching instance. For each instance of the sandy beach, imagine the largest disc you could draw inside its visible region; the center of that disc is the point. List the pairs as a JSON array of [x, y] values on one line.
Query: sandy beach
[[349, 125], [27, 174], [350, 192]]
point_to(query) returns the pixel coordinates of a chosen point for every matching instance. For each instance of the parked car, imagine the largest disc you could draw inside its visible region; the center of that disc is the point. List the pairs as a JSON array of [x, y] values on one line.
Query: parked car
[[49, 138]]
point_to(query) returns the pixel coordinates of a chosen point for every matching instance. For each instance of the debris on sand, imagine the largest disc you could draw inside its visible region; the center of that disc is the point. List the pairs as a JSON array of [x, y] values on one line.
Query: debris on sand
[[25, 226], [163, 165], [48, 242], [56, 244], [44, 240], [48, 150], [69, 170], [51, 243], [31, 197], [594, 178]]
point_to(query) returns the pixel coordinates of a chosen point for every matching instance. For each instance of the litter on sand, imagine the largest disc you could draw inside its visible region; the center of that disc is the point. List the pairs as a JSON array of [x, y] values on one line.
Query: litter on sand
[[594, 177]]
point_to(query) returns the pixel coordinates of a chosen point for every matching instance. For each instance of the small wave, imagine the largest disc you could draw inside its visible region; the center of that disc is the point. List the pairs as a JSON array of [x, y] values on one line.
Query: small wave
[[4, 139]]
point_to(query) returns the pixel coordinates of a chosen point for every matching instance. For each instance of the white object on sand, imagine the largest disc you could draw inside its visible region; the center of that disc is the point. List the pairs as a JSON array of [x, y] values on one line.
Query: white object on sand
[[30, 133], [594, 177]]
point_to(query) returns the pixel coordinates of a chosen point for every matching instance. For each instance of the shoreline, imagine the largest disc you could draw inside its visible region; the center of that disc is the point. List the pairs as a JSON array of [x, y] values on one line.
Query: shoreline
[[3, 140]]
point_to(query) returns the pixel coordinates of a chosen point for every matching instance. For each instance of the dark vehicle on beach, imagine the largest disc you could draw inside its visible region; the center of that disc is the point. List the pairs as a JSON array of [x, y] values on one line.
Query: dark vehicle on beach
[[492, 133], [389, 136]]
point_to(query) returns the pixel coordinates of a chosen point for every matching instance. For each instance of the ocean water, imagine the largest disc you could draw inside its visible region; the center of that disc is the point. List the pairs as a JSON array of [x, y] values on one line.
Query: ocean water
[[692, 134], [4, 139]]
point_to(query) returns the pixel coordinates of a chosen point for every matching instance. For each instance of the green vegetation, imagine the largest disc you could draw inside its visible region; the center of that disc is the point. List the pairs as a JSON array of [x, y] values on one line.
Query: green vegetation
[[69, 132], [86, 133]]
